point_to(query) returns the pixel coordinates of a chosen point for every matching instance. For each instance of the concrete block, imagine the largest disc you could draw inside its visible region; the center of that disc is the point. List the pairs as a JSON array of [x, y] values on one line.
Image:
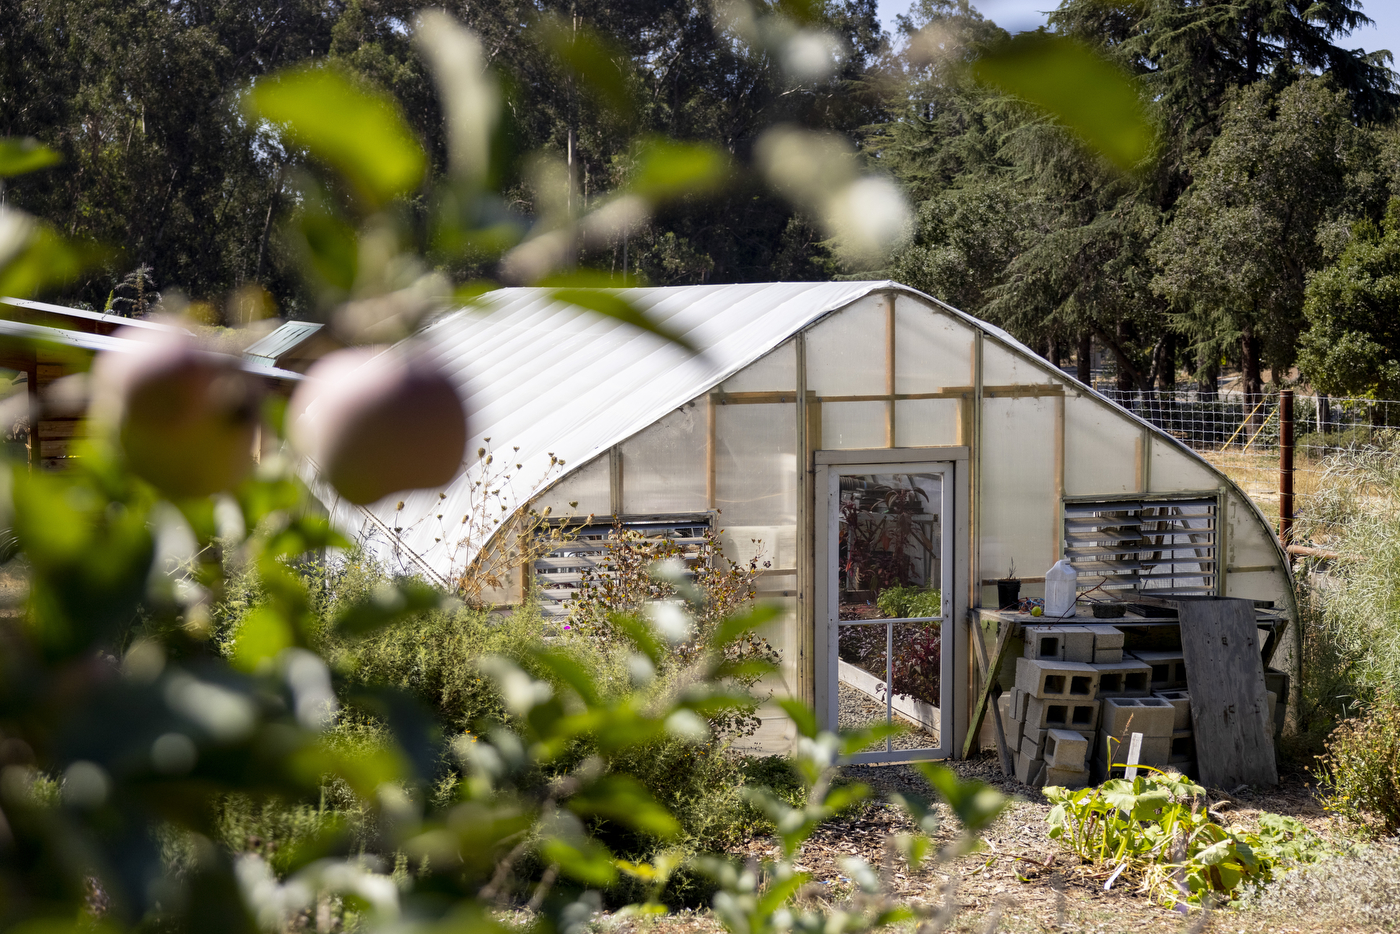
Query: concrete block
[[1168, 668], [1061, 680], [1150, 716], [1029, 771], [1065, 750], [1078, 643], [1004, 707], [1018, 703], [1156, 751], [1107, 656], [1181, 700], [1183, 747], [1050, 713], [1043, 642], [1106, 636], [1066, 778], [1124, 678], [1013, 734], [1033, 744]]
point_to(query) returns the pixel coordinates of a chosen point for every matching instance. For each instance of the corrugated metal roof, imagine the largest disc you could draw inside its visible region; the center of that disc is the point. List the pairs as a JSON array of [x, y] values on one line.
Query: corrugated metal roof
[[104, 319], [269, 349], [95, 343]]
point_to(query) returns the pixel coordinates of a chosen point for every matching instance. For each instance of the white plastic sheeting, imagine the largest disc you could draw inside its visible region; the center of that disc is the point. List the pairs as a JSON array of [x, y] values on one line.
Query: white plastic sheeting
[[552, 378]]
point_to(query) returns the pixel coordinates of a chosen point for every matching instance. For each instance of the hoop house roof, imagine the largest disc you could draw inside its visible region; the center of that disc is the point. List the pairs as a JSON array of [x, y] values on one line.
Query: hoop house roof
[[556, 379]]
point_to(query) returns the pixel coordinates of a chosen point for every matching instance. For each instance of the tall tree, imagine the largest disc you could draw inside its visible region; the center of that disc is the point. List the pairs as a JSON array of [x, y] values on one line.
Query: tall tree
[[1236, 257]]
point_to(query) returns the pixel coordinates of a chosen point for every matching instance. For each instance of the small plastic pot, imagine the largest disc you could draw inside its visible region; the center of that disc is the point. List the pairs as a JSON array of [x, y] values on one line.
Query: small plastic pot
[[1008, 593]]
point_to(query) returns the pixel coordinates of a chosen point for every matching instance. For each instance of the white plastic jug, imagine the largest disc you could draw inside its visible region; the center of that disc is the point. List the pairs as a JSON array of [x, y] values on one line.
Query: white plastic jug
[[1061, 588]]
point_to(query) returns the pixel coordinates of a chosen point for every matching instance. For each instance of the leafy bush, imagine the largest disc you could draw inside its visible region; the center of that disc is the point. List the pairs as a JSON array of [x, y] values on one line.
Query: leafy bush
[[1159, 828], [1361, 769], [907, 602]]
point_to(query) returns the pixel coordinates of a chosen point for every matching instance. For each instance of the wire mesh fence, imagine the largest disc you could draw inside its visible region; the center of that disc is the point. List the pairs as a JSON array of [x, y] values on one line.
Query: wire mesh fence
[[1240, 434]]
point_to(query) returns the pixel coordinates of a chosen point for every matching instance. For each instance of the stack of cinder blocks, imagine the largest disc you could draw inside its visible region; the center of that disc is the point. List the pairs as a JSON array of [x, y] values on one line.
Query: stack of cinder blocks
[[1052, 714], [1078, 699]]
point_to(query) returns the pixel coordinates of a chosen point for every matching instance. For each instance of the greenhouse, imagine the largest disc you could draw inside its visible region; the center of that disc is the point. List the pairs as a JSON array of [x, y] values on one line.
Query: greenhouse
[[866, 441]]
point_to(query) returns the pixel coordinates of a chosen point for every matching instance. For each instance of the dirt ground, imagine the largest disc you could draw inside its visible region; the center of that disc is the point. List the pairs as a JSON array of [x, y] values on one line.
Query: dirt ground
[[1025, 882]]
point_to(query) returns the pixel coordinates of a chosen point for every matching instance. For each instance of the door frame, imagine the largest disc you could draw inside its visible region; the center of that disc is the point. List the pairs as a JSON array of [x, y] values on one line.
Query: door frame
[[953, 462]]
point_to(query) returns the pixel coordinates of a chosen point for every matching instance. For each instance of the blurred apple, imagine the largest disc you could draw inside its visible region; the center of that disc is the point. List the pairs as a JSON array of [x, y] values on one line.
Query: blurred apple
[[186, 418], [376, 421]]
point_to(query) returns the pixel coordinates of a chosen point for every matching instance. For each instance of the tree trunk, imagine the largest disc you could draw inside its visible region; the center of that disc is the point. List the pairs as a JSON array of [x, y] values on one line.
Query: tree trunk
[[1324, 413], [1253, 379], [1125, 379], [1208, 365], [1085, 358], [1166, 372]]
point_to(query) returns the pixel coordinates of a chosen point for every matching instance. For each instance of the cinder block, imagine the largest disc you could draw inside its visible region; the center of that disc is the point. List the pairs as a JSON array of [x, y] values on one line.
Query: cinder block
[[1029, 771], [1066, 778], [1004, 706], [1181, 700], [1155, 751], [1065, 750], [1033, 744], [1150, 716], [1183, 747], [1067, 680], [1043, 642], [1129, 678], [1050, 713], [1105, 636], [1078, 644], [1107, 656], [1168, 668], [1013, 734], [1018, 703]]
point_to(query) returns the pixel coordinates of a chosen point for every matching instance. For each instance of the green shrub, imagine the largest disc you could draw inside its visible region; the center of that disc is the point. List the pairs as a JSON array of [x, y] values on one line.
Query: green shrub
[[1361, 769], [1159, 828], [906, 602]]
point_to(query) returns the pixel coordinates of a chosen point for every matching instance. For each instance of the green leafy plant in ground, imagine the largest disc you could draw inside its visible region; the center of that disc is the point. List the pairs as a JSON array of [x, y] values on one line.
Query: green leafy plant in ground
[[1360, 771], [1159, 829], [909, 602]]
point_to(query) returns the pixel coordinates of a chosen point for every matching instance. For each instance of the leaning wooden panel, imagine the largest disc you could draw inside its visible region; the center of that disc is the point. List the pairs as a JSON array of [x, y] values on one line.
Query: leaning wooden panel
[[1229, 703]]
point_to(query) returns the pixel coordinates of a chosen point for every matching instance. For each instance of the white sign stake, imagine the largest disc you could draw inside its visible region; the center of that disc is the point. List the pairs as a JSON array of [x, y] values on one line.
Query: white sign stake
[[1134, 751]]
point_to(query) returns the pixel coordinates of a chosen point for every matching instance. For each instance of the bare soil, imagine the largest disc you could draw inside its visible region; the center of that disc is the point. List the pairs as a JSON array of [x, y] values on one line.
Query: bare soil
[[1032, 884]]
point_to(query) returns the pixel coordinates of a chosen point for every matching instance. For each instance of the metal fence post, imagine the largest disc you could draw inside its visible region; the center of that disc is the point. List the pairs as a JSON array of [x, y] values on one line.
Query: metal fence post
[[1285, 467]]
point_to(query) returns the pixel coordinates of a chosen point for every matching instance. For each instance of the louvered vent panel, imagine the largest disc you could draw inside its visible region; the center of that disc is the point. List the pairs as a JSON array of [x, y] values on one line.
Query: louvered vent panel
[[560, 574], [1168, 546]]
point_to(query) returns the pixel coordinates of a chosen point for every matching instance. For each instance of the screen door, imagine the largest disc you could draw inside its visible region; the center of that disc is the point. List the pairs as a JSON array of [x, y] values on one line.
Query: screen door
[[890, 589]]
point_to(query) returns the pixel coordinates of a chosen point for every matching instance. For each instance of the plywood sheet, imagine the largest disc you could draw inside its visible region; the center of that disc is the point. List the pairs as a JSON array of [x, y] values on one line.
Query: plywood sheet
[[1229, 704]]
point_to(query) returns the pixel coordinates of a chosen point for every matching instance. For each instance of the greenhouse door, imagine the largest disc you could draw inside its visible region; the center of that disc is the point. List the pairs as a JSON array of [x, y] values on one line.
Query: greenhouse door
[[889, 585]]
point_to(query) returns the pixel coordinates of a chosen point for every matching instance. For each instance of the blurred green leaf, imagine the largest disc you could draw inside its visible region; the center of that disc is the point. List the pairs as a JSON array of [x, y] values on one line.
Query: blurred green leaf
[[622, 798], [735, 625], [594, 61], [45, 259], [331, 247], [974, 804], [568, 669], [406, 598], [359, 133], [1067, 80], [598, 293], [589, 862], [801, 714], [262, 636], [641, 634], [669, 169], [18, 156]]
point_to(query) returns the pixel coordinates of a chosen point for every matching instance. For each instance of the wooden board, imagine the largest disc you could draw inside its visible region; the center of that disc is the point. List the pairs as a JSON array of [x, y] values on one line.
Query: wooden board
[[1229, 704]]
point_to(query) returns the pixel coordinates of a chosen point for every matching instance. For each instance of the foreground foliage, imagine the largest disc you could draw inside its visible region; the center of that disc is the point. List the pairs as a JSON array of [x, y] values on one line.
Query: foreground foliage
[[1160, 829]]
